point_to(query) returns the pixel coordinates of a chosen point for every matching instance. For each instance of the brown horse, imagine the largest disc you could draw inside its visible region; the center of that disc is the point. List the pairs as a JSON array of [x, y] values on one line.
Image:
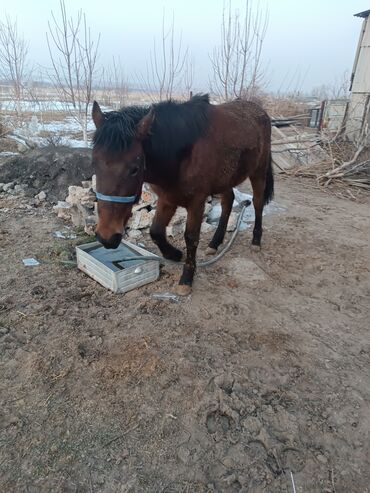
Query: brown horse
[[187, 152]]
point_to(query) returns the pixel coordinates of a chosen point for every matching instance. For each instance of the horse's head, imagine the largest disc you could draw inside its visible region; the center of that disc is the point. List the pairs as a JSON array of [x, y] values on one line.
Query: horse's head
[[119, 162]]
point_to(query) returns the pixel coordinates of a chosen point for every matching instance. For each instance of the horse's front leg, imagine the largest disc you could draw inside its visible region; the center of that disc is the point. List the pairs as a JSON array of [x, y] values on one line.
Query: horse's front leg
[[193, 225], [163, 216]]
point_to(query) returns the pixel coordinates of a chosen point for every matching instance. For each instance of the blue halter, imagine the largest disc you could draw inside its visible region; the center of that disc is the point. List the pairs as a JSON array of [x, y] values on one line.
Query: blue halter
[[114, 198]]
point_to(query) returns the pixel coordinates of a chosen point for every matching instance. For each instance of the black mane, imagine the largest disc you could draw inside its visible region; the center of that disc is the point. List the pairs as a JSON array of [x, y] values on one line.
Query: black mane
[[119, 129], [176, 127]]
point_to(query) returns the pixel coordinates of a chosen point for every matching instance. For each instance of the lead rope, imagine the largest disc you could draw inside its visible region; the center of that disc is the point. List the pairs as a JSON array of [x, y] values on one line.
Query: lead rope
[[204, 263]]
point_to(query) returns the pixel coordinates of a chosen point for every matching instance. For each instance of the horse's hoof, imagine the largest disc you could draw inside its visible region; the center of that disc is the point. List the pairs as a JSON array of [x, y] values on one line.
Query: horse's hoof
[[211, 251], [183, 289]]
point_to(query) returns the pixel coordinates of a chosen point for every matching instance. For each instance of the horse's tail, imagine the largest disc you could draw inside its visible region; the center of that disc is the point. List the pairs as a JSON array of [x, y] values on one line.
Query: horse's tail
[[269, 185]]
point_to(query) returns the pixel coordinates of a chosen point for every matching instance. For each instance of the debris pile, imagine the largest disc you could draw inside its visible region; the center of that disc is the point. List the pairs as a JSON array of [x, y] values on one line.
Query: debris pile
[[292, 148], [355, 172], [80, 208], [143, 214], [49, 169]]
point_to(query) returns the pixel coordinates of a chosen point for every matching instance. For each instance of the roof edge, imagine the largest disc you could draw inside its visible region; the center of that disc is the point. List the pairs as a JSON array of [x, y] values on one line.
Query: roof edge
[[363, 14]]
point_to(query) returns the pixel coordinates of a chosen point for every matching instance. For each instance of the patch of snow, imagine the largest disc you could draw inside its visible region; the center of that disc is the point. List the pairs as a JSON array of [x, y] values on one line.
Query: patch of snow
[[69, 124], [39, 106], [8, 153]]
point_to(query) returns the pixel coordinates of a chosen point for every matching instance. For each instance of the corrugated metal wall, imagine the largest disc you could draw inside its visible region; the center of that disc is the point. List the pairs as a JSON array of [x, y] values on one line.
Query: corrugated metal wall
[[357, 120]]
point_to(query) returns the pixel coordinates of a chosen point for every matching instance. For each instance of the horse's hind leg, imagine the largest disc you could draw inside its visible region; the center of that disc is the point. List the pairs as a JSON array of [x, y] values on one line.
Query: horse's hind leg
[[227, 200], [258, 185], [163, 216]]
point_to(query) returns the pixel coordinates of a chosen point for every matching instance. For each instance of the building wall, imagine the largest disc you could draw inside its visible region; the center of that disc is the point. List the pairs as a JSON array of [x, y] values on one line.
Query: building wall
[[334, 112], [357, 119]]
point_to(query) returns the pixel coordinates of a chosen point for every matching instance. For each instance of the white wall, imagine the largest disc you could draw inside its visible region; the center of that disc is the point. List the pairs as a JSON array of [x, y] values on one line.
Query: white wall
[[358, 109]]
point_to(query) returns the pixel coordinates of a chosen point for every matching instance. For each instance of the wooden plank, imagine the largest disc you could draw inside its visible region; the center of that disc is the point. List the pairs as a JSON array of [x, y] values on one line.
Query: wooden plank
[[299, 149]]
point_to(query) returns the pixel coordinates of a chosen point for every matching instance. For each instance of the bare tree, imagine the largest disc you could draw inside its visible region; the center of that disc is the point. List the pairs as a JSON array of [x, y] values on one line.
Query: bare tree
[[339, 89], [188, 78], [13, 59], [112, 89], [73, 54], [167, 63], [291, 86], [114, 85], [237, 60], [119, 84]]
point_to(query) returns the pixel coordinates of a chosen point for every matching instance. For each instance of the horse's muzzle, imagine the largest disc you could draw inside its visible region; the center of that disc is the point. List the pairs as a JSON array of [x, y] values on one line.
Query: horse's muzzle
[[112, 243]]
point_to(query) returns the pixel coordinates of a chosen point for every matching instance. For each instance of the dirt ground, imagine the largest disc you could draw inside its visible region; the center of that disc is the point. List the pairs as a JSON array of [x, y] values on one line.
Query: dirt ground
[[260, 378]]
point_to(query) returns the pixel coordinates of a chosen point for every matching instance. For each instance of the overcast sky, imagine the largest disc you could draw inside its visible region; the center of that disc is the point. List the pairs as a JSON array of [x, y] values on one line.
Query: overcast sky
[[308, 42]]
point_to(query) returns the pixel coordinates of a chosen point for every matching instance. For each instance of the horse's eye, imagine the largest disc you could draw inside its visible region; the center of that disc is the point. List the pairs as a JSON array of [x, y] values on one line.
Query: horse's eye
[[134, 170]]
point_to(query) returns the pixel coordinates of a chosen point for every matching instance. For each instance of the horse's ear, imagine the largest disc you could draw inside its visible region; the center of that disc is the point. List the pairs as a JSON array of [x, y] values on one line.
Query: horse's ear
[[97, 115], [144, 125]]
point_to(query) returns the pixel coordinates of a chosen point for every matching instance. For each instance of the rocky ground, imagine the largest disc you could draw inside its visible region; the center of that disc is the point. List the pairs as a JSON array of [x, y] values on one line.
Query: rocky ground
[[260, 378]]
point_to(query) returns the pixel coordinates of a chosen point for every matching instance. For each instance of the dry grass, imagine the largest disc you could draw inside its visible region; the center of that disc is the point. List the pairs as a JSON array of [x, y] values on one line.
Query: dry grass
[[284, 107]]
